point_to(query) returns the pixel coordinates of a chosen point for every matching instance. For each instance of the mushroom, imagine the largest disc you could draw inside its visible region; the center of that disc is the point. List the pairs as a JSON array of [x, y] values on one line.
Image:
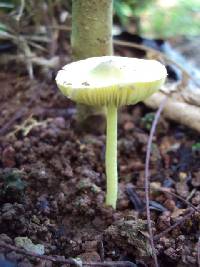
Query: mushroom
[[112, 82]]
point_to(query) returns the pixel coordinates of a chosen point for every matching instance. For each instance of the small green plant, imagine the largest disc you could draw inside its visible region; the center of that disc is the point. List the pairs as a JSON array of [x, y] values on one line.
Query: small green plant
[[111, 82], [147, 120]]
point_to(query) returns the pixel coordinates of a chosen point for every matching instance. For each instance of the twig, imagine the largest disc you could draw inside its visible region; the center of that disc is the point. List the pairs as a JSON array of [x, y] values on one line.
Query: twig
[[198, 252], [21, 10], [147, 162], [70, 261], [182, 220]]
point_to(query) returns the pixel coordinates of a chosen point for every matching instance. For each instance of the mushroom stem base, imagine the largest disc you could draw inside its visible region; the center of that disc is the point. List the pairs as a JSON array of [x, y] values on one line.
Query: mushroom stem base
[[111, 157]]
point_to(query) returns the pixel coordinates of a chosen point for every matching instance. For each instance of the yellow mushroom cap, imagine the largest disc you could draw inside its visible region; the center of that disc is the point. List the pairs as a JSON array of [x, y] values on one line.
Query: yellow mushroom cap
[[111, 80]]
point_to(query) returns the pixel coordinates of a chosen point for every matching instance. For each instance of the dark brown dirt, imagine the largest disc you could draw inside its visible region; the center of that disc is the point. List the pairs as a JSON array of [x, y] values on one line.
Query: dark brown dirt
[[52, 182]]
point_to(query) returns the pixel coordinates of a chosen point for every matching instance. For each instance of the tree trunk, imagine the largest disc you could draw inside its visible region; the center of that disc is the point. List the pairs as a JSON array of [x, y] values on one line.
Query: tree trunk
[[91, 36], [91, 28]]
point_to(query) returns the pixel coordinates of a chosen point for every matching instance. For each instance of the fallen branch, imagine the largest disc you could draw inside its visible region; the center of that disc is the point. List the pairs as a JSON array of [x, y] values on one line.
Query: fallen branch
[[69, 261], [176, 110], [38, 61]]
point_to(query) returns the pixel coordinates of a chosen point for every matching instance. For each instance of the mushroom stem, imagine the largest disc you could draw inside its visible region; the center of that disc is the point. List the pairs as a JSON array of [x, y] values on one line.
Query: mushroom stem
[[111, 157]]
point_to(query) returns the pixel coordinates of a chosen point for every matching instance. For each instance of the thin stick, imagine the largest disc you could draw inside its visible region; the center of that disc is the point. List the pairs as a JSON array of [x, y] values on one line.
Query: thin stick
[[21, 10], [162, 55], [182, 220], [198, 252], [177, 196], [70, 261], [147, 162]]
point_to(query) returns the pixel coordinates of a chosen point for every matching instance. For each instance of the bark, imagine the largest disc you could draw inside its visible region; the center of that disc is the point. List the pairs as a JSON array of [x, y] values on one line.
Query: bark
[[91, 28]]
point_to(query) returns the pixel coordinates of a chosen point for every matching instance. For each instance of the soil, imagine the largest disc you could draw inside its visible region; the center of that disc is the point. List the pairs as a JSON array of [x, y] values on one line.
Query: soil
[[52, 182]]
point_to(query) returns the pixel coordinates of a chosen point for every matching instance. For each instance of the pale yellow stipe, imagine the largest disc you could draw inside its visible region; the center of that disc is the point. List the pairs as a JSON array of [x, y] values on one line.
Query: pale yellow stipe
[[111, 82]]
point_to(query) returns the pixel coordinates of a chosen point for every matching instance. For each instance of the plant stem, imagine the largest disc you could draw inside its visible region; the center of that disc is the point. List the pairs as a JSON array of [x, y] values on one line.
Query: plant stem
[[111, 157]]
